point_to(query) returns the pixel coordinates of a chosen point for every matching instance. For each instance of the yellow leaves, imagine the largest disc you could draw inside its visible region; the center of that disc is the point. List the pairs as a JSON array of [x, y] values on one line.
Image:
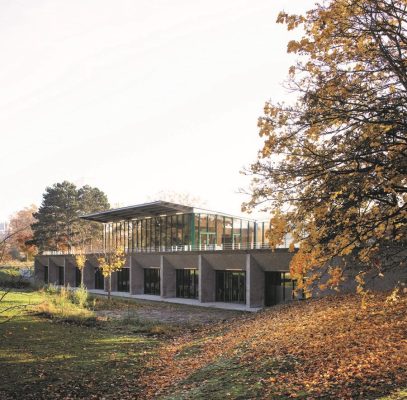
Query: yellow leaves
[[278, 230], [112, 262], [80, 260]]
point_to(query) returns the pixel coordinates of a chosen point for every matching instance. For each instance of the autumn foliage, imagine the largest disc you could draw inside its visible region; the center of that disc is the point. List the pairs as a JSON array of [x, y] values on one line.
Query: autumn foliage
[[322, 348], [335, 161]]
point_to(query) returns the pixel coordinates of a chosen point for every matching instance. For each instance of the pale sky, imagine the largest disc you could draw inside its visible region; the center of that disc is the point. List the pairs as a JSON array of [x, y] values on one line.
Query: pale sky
[[136, 96]]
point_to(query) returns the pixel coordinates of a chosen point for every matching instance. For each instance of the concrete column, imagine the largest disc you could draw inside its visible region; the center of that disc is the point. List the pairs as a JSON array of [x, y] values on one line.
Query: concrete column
[[52, 272], [167, 278], [114, 282], [89, 274], [136, 277], [254, 283], [70, 272], [206, 281]]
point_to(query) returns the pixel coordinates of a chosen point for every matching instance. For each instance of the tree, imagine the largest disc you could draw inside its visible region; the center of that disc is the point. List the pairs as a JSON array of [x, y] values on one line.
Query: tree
[[58, 226], [91, 200], [109, 263], [335, 161], [80, 260], [20, 223]]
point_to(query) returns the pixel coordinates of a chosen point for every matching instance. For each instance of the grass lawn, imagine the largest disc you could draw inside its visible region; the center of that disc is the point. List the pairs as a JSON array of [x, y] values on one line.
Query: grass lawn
[[41, 358], [320, 349]]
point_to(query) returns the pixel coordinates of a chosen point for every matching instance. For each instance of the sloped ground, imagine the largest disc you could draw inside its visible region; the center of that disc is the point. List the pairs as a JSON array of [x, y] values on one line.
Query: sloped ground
[[326, 348]]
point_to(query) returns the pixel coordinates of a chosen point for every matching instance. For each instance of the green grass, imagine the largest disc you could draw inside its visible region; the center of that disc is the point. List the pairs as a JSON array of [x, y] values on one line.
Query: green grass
[[43, 358]]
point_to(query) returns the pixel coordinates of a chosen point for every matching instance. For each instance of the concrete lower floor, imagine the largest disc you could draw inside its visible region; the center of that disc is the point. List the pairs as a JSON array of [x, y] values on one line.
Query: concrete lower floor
[[246, 279]]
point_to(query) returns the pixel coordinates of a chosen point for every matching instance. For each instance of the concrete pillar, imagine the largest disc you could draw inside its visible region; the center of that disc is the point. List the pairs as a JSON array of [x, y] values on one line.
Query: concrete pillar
[[70, 272], [206, 281], [254, 283], [136, 277], [52, 272], [114, 282], [167, 278], [89, 274]]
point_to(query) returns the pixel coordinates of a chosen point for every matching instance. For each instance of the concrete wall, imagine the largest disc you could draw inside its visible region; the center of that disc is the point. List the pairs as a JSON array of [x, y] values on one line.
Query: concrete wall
[[70, 271], [136, 277], [254, 263], [254, 283], [167, 278], [207, 289]]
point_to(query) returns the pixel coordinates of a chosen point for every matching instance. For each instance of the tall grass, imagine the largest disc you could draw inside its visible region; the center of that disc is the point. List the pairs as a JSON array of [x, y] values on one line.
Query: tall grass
[[64, 303]]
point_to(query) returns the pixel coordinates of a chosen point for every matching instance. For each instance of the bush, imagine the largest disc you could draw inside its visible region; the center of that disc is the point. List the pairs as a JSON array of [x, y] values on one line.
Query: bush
[[80, 296], [63, 303]]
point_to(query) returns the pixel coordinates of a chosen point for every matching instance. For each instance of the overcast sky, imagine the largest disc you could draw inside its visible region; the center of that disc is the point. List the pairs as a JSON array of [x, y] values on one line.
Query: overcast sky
[[136, 96]]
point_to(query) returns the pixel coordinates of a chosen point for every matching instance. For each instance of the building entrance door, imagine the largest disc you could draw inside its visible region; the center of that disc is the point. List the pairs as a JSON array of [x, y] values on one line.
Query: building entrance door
[[231, 286], [99, 279], [152, 281], [187, 283], [123, 280]]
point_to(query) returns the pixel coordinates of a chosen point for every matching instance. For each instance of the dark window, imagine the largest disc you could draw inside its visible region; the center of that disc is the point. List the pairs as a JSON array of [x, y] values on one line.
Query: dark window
[[78, 276], [60, 276], [123, 280], [279, 287], [187, 283], [99, 279], [45, 274], [231, 286], [152, 281]]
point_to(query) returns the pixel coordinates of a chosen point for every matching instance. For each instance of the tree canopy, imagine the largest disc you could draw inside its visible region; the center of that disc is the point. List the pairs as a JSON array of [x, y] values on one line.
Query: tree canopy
[[58, 226], [335, 161]]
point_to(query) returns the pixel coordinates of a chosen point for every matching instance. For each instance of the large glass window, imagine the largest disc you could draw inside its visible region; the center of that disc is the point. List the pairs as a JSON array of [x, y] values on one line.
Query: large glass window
[[197, 228], [279, 287], [60, 276], [152, 281], [227, 241], [123, 280], [220, 226], [187, 283], [231, 286], [99, 279], [186, 229], [237, 233], [78, 277]]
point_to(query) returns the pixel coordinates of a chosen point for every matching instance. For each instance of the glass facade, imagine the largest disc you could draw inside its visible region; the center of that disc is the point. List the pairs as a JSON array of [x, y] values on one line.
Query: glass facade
[[99, 279], [231, 286], [152, 281], [78, 277], [123, 280], [185, 232], [61, 279], [279, 287], [187, 283]]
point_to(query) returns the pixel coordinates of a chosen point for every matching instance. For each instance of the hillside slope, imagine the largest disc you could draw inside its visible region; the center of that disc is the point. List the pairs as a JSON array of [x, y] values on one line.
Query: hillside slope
[[322, 348]]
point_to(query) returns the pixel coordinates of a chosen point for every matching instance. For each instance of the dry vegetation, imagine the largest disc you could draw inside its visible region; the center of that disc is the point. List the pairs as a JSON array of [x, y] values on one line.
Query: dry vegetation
[[326, 348]]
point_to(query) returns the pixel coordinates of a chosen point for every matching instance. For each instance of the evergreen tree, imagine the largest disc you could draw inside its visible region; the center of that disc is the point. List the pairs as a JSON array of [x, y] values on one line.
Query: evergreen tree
[[58, 226]]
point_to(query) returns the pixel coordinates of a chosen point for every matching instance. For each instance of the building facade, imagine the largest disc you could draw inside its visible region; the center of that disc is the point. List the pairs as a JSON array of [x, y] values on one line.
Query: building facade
[[177, 251]]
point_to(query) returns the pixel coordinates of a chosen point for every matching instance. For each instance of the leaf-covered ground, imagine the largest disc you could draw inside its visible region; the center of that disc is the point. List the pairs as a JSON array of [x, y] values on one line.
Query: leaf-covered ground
[[328, 348]]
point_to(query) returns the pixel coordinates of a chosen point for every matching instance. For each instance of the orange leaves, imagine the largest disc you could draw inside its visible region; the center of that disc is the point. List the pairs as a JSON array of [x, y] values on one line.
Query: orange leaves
[[327, 348]]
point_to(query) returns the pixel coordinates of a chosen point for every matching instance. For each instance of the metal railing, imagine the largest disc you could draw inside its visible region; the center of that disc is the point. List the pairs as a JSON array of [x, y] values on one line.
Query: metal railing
[[172, 249]]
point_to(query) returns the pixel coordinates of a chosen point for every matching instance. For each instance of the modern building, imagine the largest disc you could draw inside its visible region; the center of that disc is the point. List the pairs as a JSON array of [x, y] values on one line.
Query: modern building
[[178, 251]]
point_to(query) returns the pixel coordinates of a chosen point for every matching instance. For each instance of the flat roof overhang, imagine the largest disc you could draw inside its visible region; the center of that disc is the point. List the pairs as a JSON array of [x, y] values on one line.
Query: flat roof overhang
[[153, 209]]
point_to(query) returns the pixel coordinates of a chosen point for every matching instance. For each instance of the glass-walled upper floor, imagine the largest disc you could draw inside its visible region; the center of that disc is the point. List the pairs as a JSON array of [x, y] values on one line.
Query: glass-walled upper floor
[[185, 232]]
